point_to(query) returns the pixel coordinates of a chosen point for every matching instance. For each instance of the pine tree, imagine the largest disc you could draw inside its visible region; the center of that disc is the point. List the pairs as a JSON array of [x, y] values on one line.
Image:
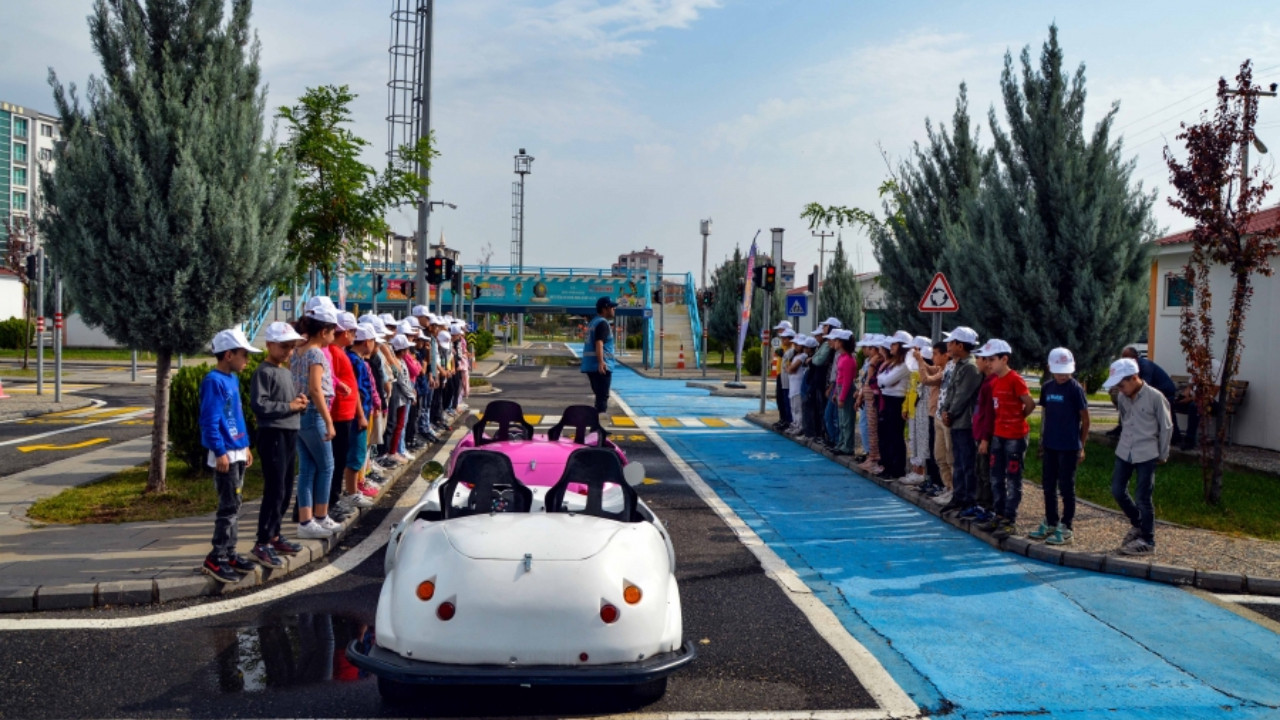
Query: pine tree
[[167, 212], [723, 322], [1051, 251], [840, 296]]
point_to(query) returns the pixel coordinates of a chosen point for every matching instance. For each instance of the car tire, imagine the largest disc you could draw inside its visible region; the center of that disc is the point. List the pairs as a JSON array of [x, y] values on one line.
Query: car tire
[[395, 692], [649, 692]]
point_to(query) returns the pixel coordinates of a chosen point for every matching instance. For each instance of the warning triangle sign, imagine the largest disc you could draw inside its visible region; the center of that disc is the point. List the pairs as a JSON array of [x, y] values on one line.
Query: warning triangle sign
[[797, 308], [939, 298]]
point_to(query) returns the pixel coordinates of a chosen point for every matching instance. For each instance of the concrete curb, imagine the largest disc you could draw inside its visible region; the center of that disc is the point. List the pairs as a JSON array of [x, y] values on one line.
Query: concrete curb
[[74, 403], [1210, 580], [83, 596]]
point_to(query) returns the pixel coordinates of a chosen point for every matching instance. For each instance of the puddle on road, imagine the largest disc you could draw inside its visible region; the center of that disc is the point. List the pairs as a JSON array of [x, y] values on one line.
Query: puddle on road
[[289, 651]]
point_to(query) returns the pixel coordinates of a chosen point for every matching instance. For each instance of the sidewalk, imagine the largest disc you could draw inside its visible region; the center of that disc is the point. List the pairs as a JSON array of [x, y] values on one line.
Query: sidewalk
[[24, 405]]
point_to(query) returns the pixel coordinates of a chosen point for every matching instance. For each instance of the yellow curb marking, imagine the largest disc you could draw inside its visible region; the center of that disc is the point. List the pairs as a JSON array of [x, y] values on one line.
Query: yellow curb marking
[[623, 421], [72, 446], [669, 422]]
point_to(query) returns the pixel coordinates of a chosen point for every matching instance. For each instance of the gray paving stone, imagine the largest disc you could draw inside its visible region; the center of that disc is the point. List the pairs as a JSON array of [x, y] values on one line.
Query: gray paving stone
[[1083, 560], [66, 597], [1044, 553], [1219, 581], [17, 599], [1129, 568], [1262, 586], [1172, 574], [180, 588], [1017, 545], [126, 592]]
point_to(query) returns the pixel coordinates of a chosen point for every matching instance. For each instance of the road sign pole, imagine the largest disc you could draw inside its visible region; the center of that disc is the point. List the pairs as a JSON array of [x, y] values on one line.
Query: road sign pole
[[39, 280], [57, 339], [765, 358], [937, 327]]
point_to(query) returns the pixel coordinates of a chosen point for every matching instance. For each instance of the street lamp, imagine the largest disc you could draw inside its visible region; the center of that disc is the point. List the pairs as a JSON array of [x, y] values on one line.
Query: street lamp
[[523, 167], [705, 227]]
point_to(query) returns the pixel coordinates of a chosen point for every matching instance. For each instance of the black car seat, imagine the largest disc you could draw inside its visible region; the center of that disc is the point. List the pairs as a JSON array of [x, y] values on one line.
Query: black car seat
[[584, 420], [506, 415], [495, 487], [594, 467]]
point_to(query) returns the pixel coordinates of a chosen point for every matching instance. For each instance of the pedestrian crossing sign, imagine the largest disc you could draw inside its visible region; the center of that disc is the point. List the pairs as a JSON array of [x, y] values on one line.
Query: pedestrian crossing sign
[[798, 306]]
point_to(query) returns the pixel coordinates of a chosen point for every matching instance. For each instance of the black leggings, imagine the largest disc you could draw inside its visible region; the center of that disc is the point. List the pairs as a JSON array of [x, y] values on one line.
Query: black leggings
[[341, 442], [893, 446], [277, 453]]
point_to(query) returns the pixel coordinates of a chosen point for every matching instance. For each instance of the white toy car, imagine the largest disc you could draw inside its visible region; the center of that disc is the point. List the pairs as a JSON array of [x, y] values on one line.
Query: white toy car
[[531, 562]]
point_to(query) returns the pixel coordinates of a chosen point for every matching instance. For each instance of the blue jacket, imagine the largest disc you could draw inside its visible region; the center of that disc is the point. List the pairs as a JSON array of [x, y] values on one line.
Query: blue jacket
[[364, 381], [222, 426]]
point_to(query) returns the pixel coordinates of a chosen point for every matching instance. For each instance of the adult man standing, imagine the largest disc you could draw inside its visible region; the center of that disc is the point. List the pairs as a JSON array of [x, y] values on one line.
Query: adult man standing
[[597, 352]]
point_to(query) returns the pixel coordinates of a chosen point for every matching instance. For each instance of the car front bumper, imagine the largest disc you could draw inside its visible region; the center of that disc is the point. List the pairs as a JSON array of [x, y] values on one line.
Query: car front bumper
[[387, 664]]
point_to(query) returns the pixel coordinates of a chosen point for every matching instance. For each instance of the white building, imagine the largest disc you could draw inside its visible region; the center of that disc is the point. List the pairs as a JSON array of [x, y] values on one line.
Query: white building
[[1258, 420], [26, 148], [637, 261]]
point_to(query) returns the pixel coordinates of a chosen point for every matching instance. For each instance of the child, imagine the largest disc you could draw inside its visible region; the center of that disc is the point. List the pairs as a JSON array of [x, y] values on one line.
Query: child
[[916, 411], [984, 426], [358, 347], [345, 411], [958, 396], [1011, 403], [869, 402], [225, 435], [313, 374], [846, 373], [1144, 442], [278, 405], [794, 368], [402, 396], [1063, 431]]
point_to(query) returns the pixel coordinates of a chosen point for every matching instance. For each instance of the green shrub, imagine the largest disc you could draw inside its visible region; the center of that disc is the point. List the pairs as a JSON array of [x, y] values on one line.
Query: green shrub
[[634, 342], [184, 411], [751, 360], [16, 333]]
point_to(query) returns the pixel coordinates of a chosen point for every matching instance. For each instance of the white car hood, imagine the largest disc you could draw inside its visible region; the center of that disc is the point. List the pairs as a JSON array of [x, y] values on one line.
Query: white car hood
[[544, 536]]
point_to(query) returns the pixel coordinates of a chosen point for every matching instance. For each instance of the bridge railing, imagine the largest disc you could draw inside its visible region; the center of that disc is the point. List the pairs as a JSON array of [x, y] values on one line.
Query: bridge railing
[[695, 322]]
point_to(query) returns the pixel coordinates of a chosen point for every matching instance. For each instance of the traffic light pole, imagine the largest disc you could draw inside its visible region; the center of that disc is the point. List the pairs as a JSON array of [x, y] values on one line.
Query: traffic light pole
[[765, 359], [39, 280]]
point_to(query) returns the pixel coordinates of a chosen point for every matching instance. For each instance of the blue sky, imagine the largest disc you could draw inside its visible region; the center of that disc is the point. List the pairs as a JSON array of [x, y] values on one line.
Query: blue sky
[[648, 115]]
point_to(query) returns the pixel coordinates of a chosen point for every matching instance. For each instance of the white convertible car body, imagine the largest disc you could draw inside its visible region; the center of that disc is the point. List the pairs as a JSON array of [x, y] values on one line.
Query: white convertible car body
[[497, 590]]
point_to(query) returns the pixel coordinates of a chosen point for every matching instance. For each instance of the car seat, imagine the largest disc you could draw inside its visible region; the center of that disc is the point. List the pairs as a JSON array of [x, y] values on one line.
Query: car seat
[[495, 487], [507, 415], [593, 467], [584, 419]]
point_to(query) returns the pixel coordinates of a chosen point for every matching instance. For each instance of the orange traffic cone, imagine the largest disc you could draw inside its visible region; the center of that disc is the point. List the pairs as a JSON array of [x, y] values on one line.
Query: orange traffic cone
[[680, 360]]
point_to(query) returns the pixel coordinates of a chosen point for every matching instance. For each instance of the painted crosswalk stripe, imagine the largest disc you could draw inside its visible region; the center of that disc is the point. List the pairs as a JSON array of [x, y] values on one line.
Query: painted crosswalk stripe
[[739, 423], [623, 421], [669, 422], [690, 421], [714, 422]]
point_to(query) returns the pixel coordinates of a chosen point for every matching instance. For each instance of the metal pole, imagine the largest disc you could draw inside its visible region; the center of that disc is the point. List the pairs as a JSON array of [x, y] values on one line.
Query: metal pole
[[57, 339], [133, 366], [662, 331], [40, 321], [705, 227], [937, 327], [764, 350], [425, 9], [520, 259], [822, 259], [375, 292]]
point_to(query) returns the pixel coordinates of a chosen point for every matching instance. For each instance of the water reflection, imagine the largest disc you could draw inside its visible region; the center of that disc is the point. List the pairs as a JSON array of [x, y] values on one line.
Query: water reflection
[[289, 651]]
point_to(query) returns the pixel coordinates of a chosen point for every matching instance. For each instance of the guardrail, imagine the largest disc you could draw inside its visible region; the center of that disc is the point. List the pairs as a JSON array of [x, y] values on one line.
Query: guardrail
[[695, 321]]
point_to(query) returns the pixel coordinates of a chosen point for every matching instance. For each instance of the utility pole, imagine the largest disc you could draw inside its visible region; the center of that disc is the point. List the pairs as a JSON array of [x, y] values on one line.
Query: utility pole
[[523, 166], [822, 236], [426, 8], [39, 279], [702, 309], [1250, 97]]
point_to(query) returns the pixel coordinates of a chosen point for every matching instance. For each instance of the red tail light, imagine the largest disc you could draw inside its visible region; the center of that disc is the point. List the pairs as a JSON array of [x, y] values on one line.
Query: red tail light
[[446, 611], [609, 614]]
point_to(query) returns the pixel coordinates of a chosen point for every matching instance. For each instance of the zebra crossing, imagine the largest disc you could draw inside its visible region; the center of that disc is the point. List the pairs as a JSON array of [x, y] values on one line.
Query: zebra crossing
[[626, 422]]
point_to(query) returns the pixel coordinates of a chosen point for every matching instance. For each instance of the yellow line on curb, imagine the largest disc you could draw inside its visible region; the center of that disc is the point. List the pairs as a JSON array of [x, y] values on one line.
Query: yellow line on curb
[[72, 446]]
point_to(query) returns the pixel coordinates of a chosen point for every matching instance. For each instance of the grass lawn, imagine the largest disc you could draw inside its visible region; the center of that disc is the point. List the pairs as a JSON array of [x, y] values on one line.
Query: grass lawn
[[119, 498], [82, 354], [1250, 502], [29, 373]]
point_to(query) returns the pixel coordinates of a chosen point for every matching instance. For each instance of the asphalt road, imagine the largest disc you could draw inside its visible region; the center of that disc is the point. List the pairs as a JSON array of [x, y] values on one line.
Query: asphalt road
[[757, 651], [124, 413]]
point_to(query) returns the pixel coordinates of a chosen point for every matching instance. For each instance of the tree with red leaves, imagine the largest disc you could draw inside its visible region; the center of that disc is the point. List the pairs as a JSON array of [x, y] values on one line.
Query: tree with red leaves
[[1219, 193]]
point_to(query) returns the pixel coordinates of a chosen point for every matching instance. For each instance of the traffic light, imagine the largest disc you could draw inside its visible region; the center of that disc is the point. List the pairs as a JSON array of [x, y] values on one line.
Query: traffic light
[[435, 270], [708, 297], [457, 284], [813, 283], [475, 290], [378, 283], [409, 288], [770, 278], [757, 276], [657, 297], [32, 275]]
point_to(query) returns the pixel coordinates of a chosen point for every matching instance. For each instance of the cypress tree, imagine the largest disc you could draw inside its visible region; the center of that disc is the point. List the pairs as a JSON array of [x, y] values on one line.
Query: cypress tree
[[723, 322], [167, 212], [1051, 250], [840, 296]]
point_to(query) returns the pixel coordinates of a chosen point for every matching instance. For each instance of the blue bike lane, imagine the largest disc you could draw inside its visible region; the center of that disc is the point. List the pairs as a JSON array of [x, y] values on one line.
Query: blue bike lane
[[961, 627]]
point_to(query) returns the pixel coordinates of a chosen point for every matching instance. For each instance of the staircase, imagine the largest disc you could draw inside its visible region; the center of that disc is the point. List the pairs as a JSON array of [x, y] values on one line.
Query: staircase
[[678, 330]]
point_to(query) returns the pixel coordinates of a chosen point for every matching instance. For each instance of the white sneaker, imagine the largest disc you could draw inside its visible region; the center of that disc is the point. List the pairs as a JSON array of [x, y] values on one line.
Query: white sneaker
[[356, 500], [913, 479], [312, 530], [943, 498], [328, 524]]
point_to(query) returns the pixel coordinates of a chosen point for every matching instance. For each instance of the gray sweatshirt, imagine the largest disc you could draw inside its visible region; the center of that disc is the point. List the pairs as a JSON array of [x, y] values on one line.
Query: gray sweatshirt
[[1148, 426], [961, 394], [270, 392]]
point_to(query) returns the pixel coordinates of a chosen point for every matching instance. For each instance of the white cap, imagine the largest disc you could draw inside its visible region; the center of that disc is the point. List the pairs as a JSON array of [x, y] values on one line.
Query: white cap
[[862, 342], [884, 341], [963, 334], [926, 353], [414, 322], [811, 342], [366, 332], [819, 331], [787, 333], [346, 321], [1120, 369], [455, 329], [374, 331], [232, 339], [281, 332], [320, 301], [923, 342], [324, 314], [784, 325], [406, 329], [1061, 361], [832, 322], [903, 337], [443, 337], [994, 347], [399, 343], [388, 319], [421, 311]]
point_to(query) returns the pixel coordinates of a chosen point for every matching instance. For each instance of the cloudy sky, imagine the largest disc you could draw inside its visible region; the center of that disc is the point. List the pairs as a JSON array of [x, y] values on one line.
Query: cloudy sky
[[645, 116]]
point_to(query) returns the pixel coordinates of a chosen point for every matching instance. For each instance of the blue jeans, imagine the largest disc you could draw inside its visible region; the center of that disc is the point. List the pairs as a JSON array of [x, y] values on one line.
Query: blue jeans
[[864, 431], [831, 420], [1142, 514], [1006, 475], [964, 453], [315, 461]]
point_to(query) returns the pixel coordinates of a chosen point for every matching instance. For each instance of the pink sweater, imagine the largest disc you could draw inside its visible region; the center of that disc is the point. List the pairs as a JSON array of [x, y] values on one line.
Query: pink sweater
[[846, 371]]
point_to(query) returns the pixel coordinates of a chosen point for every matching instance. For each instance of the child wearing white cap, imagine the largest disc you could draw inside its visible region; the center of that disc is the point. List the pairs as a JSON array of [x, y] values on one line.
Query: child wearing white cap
[[313, 374], [1011, 403], [1064, 429], [1144, 443], [277, 405], [224, 434]]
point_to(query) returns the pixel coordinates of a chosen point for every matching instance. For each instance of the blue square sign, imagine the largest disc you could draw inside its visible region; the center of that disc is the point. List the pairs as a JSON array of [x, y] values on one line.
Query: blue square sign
[[797, 305]]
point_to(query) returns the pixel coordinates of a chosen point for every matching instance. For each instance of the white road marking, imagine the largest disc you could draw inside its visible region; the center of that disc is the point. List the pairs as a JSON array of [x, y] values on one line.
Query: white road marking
[[545, 371], [1249, 599], [75, 428], [879, 684], [739, 423], [349, 561], [691, 422]]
